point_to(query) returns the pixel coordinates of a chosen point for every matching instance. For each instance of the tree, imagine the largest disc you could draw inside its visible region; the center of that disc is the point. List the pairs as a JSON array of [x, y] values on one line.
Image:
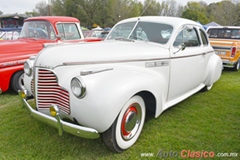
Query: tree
[[151, 8], [58, 7], [31, 14], [1, 13], [168, 8], [109, 12], [224, 12], [229, 13], [196, 12], [42, 8], [180, 10], [101, 12]]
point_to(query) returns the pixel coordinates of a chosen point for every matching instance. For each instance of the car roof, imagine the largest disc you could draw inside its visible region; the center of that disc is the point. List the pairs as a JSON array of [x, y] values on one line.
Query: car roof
[[174, 21], [53, 19], [223, 27], [10, 29]]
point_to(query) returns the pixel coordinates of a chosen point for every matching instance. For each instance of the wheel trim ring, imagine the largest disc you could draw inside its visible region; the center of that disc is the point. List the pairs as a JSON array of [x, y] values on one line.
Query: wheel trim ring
[[133, 109]]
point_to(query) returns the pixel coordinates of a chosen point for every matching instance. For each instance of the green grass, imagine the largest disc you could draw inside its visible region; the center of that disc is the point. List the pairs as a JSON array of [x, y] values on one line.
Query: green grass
[[208, 121]]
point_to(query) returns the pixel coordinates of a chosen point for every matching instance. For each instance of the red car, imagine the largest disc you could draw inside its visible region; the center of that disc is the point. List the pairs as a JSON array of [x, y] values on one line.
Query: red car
[[36, 32]]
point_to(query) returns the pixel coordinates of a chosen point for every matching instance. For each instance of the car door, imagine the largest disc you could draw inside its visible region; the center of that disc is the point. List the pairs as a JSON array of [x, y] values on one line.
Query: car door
[[187, 65]]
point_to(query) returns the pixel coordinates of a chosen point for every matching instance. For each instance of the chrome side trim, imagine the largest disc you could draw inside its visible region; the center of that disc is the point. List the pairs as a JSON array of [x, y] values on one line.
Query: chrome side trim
[[156, 64], [93, 71], [12, 63], [114, 61], [194, 55], [133, 60], [73, 129]]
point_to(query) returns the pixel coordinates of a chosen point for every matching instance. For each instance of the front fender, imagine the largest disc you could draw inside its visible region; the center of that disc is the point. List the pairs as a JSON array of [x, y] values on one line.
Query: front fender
[[108, 91], [6, 75]]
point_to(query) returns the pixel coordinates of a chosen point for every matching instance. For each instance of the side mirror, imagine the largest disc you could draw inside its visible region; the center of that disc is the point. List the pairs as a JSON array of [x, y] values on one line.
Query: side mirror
[[59, 38], [180, 47]]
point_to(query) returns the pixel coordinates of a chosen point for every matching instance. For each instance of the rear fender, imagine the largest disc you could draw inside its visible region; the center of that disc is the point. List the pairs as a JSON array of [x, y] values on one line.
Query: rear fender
[[215, 70]]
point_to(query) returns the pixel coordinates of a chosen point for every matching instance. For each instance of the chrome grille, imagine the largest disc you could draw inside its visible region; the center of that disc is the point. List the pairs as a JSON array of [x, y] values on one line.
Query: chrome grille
[[32, 86], [49, 92]]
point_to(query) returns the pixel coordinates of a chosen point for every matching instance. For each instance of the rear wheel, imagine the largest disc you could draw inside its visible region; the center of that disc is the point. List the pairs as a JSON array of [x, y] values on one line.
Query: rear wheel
[[17, 81], [207, 88], [236, 66], [127, 127]]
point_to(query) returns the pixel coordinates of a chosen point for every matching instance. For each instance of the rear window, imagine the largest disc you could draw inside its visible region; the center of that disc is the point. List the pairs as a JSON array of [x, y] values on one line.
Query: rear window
[[224, 33]]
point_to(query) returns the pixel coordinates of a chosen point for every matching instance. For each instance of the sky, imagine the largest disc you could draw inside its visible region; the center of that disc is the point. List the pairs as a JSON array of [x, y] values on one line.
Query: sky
[[21, 6]]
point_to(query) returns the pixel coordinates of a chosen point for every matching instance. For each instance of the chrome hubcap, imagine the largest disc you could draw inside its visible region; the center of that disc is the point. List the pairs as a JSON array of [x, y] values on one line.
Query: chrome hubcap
[[131, 121]]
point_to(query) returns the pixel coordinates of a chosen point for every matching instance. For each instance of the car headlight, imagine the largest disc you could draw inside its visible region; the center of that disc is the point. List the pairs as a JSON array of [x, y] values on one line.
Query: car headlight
[[78, 87], [27, 68]]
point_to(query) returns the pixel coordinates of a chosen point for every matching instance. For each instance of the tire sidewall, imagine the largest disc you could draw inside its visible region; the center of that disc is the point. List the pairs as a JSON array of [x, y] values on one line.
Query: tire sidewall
[[238, 65], [123, 144], [16, 78]]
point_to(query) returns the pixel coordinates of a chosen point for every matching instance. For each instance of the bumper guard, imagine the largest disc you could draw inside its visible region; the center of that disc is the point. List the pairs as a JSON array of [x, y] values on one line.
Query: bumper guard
[[57, 122]]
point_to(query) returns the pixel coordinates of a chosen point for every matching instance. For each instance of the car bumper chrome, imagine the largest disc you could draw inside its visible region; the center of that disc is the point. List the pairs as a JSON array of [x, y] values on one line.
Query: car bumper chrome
[[228, 64], [56, 121]]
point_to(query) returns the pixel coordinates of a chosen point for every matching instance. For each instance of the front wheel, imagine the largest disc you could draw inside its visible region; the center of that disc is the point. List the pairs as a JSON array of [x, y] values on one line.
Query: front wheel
[[17, 81], [127, 127]]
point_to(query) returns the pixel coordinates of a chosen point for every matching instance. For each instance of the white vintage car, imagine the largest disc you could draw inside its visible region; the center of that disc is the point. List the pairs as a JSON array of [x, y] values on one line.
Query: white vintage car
[[145, 64]]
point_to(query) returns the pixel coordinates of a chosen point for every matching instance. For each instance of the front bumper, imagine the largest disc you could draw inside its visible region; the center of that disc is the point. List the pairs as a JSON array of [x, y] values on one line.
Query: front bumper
[[57, 122]]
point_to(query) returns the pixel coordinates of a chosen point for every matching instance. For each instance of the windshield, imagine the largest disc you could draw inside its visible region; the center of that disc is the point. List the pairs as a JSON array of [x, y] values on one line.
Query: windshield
[[37, 29], [143, 31], [9, 35]]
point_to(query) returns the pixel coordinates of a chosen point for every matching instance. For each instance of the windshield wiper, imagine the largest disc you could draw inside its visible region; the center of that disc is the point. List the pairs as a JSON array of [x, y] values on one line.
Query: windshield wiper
[[136, 38]]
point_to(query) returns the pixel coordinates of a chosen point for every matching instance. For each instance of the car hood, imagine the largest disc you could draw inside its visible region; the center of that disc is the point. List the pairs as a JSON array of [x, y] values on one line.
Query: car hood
[[12, 50], [100, 52]]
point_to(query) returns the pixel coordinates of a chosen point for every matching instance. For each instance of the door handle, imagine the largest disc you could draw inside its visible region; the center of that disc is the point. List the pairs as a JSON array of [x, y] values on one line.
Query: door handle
[[204, 54]]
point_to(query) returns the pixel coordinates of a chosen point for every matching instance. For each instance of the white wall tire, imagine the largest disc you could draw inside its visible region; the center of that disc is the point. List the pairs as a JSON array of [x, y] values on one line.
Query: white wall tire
[[237, 66], [207, 88], [127, 127]]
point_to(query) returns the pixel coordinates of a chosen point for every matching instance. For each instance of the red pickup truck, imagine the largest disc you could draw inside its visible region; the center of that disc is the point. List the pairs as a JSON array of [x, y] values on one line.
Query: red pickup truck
[[36, 32]]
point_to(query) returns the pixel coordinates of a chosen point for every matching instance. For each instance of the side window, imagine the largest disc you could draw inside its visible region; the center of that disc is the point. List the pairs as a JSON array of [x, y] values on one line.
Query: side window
[[203, 37], [15, 35], [212, 33], [68, 31], [187, 36], [61, 31], [235, 33]]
